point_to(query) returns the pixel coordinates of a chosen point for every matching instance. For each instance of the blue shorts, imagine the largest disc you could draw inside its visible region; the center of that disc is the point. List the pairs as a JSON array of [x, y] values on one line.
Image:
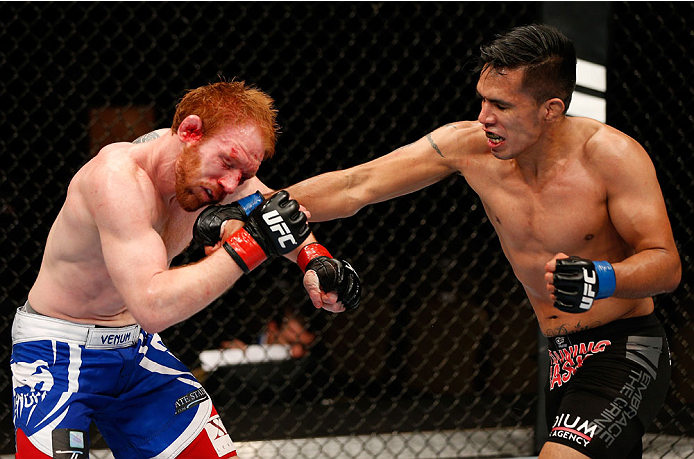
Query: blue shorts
[[144, 401]]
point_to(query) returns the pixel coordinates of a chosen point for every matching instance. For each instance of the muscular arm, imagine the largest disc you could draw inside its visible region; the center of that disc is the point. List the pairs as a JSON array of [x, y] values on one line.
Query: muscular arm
[[410, 168], [637, 211], [137, 260]]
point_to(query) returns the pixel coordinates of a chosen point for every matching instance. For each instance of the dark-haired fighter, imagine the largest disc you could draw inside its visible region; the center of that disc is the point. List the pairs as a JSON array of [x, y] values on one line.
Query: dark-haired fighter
[[553, 186]]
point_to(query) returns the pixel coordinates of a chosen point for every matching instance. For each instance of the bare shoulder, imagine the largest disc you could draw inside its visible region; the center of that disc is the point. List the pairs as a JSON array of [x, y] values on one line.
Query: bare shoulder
[[606, 143], [113, 179], [612, 154], [459, 139], [463, 130]]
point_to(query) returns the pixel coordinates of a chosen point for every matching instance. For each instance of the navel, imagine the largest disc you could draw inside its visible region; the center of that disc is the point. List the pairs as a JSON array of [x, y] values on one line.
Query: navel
[[589, 237]]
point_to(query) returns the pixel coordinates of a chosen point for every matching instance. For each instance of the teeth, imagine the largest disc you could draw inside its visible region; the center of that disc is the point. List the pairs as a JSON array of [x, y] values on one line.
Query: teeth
[[494, 138]]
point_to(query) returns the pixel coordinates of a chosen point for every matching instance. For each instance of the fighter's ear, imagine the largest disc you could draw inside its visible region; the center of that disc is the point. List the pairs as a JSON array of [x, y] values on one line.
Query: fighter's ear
[[554, 108], [190, 129]]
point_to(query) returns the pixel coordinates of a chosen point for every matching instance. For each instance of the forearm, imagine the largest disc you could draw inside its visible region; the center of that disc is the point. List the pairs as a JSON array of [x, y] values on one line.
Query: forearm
[[343, 193], [647, 273], [327, 196], [179, 293]]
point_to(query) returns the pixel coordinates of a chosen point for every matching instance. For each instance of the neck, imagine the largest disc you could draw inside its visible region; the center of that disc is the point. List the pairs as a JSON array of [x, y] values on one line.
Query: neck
[[158, 159], [541, 159]]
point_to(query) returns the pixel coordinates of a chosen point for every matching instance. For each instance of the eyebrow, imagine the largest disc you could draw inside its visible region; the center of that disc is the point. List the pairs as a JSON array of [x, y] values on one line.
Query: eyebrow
[[494, 101]]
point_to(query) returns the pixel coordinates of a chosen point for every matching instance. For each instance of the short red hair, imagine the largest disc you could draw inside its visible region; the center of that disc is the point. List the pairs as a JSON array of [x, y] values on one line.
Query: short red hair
[[224, 103]]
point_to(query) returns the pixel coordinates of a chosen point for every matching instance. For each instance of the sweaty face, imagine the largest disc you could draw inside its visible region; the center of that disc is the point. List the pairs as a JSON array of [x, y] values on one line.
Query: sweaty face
[[511, 118], [209, 170]]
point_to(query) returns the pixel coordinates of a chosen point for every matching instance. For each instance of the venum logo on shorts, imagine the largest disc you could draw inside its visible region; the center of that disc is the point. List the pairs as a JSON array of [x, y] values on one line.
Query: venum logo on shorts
[[33, 380], [565, 362], [190, 400], [615, 417], [573, 428], [219, 436]]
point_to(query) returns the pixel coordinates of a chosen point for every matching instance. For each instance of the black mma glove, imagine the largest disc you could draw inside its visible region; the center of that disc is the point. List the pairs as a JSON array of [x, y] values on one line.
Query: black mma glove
[[333, 275], [578, 282], [207, 228], [275, 227]]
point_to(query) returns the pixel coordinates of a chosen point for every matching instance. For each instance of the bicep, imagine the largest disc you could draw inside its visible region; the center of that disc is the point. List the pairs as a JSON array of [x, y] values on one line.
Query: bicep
[[636, 205], [132, 249]]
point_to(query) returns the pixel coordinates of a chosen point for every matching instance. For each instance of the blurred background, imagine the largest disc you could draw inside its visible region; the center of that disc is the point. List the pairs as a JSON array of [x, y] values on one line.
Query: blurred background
[[445, 345]]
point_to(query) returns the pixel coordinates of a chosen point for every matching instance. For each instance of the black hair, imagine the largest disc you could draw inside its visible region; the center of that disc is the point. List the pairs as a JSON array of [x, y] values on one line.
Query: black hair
[[547, 56]]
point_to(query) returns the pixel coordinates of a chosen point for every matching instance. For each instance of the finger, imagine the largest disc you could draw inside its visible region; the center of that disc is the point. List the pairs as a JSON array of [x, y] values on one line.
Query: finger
[[330, 297], [305, 211], [312, 286], [229, 227], [336, 307], [210, 250]]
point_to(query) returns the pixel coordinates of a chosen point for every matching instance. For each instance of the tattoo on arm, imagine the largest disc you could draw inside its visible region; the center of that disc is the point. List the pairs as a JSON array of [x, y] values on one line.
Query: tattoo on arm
[[452, 125], [147, 137], [433, 145]]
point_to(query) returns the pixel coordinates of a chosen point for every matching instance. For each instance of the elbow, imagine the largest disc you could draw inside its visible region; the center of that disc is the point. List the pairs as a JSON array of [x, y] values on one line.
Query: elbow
[[152, 327], [144, 315], [676, 276], [671, 273]]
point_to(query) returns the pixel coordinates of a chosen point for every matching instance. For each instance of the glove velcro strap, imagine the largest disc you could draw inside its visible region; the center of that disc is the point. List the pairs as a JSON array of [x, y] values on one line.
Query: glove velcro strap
[[606, 279], [309, 252], [245, 251], [250, 202]]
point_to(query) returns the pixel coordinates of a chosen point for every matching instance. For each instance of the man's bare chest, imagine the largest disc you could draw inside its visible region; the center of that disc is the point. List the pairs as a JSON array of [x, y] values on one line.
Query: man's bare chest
[[555, 219]]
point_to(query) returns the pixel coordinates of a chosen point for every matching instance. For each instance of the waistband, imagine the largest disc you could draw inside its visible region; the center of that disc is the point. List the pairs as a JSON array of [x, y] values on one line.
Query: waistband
[[35, 327], [643, 325]]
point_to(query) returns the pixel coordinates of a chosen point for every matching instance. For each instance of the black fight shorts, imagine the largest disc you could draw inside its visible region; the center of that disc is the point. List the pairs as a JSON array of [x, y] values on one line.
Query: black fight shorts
[[606, 386]]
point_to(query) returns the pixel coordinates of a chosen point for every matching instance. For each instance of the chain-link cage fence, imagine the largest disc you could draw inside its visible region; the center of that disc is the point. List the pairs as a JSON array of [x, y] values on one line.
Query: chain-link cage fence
[[650, 95], [445, 341]]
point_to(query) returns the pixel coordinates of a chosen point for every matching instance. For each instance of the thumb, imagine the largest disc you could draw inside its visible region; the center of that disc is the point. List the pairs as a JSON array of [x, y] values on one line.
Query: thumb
[[312, 286]]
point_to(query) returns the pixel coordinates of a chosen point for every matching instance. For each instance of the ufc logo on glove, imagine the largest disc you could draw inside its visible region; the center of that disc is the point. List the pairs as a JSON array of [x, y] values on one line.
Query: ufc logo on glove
[[276, 224]]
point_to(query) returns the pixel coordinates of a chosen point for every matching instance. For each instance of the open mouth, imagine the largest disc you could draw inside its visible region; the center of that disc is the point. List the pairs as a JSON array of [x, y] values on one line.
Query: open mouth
[[495, 139], [209, 194]]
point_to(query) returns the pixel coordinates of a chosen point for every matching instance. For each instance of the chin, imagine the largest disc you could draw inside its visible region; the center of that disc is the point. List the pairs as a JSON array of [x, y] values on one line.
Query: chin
[[503, 155], [188, 201]]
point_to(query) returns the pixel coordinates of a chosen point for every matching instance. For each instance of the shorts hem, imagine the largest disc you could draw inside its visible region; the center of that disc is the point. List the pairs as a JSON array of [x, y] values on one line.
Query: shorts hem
[[572, 445]]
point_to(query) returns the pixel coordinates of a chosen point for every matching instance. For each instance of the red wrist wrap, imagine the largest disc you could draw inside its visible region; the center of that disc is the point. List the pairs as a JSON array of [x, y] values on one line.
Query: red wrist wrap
[[247, 249], [309, 252]]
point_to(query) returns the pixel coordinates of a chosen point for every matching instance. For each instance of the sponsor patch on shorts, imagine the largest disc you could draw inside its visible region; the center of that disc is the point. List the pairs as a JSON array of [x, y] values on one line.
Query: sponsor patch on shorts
[[219, 437], [76, 440], [69, 444], [190, 400], [573, 428]]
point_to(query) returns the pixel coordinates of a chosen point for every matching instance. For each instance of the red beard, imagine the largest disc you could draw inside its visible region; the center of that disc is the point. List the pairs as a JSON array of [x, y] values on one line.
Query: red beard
[[187, 168]]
